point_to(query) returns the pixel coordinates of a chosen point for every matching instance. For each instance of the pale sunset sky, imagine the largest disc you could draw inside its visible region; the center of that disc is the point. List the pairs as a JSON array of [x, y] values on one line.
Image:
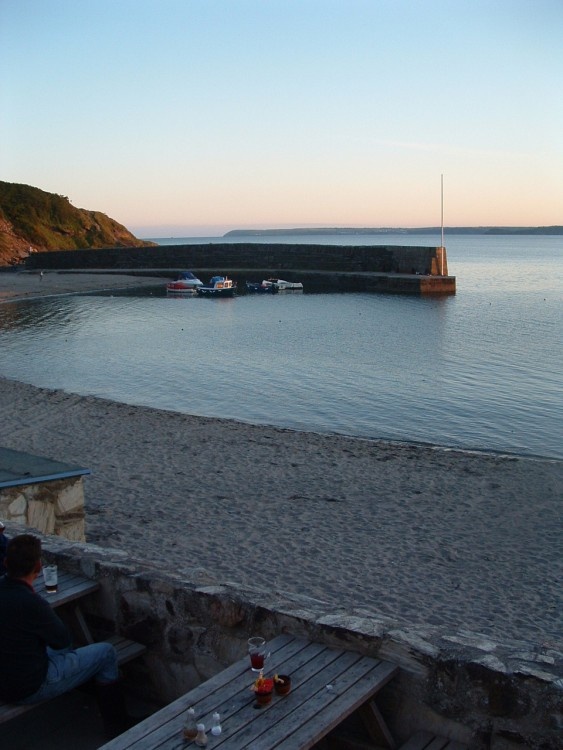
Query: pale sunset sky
[[193, 117]]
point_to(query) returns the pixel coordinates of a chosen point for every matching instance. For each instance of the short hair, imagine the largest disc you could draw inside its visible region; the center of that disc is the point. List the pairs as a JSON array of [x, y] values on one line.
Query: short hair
[[22, 555]]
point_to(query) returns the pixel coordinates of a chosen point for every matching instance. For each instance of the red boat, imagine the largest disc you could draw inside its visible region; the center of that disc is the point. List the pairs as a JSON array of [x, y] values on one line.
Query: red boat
[[186, 282]]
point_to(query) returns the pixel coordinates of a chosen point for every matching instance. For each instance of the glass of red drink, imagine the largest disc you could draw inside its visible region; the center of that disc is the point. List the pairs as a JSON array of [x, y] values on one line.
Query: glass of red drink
[[257, 653]]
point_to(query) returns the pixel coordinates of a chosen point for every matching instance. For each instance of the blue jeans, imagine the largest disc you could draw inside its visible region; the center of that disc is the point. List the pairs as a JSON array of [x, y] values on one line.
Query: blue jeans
[[69, 668]]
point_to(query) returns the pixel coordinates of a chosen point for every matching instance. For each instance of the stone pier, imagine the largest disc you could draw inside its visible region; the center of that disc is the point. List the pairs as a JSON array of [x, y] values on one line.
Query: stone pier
[[378, 268]]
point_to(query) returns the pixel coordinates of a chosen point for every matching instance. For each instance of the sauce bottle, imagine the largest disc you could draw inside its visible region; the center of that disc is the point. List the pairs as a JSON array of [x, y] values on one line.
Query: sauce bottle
[[201, 737], [190, 728]]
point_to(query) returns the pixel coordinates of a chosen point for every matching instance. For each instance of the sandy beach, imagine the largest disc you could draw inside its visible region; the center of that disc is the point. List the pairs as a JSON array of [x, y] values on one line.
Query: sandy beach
[[416, 533], [16, 285]]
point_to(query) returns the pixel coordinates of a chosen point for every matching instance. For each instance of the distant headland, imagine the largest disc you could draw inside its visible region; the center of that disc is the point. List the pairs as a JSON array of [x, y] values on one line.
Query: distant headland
[[557, 230]]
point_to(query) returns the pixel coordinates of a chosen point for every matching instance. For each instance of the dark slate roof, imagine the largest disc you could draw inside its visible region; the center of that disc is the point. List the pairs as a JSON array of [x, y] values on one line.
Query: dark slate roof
[[17, 468]]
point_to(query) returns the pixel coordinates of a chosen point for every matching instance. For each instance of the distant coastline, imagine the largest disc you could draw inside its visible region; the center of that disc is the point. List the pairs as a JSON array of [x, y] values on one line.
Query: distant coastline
[[551, 230]]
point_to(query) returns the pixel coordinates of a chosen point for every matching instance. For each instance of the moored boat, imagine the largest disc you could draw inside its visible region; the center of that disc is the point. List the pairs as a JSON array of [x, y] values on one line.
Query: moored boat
[[185, 283], [284, 286], [272, 286], [219, 286], [256, 287]]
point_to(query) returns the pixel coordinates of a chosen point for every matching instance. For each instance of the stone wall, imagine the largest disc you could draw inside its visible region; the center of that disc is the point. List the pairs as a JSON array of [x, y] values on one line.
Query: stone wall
[[273, 257], [488, 694], [53, 507]]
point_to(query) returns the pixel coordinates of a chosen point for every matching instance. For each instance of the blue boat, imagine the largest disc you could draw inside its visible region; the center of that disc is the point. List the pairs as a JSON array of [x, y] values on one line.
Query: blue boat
[[255, 287], [219, 286]]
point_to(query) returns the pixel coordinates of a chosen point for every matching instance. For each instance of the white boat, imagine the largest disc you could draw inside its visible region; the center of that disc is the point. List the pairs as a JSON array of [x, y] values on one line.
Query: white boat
[[283, 286], [186, 282]]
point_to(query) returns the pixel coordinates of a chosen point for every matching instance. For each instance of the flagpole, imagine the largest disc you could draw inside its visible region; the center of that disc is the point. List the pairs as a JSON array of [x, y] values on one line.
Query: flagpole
[[442, 223], [442, 208]]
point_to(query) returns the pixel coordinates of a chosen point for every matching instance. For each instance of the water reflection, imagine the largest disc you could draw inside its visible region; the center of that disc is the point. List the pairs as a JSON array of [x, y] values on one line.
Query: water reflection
[[40, 314]]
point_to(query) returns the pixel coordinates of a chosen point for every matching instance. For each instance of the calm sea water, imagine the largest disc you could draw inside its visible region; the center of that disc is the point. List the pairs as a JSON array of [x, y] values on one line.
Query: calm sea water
[[479, 370]]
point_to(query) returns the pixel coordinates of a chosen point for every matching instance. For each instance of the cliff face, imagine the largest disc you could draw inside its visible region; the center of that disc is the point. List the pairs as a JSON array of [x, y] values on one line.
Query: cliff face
[[32, 218]]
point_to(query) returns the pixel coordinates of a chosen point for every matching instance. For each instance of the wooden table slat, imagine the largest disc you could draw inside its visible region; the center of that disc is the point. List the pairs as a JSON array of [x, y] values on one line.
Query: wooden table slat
[[326, 718]]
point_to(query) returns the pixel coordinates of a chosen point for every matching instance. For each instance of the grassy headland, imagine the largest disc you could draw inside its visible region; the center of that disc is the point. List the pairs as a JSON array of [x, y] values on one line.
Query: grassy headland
[[33, 218]]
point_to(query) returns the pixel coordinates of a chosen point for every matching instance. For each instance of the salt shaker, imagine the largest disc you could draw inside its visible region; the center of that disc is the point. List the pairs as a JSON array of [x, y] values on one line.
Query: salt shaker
[[201, 737], [216, 726]]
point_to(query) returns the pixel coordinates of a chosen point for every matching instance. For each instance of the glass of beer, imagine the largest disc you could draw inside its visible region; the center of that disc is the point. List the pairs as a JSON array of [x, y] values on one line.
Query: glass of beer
[[51, 579]]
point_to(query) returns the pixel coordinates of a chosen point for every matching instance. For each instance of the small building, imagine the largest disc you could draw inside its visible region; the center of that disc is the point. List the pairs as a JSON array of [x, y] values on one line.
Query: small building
[[42, 493]]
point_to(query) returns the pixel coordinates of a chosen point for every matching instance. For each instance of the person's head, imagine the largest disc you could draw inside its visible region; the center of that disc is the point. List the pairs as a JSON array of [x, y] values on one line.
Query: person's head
[[23, 556]]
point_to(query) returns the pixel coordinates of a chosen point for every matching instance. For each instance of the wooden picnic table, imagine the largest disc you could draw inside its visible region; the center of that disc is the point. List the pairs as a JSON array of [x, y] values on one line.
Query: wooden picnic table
[[328, 684]]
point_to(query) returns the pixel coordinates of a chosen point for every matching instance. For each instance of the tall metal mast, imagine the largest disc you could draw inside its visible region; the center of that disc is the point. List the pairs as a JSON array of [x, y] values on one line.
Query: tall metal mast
[[442, 225], [442, 209]]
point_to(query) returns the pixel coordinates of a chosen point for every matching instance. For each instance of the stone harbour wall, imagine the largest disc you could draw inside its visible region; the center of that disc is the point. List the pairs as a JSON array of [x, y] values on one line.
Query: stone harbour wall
[[464, 685], [268, 256], [52, 507]]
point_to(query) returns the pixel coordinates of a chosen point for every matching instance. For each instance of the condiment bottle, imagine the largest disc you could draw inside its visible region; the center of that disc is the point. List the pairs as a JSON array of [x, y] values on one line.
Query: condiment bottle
[[216, 726], [190, 728], [201, 737]]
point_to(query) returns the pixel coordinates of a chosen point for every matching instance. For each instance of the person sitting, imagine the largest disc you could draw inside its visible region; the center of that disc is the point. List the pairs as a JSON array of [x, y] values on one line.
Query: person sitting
[[36, 653], [3, 547]]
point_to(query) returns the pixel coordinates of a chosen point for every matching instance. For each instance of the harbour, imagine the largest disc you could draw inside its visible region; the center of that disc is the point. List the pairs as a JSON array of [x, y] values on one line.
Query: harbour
[[362, 268]]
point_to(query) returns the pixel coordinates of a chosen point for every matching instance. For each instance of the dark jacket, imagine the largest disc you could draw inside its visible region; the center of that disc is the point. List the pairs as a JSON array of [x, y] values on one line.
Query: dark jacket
[[27, 626], [3, 548]]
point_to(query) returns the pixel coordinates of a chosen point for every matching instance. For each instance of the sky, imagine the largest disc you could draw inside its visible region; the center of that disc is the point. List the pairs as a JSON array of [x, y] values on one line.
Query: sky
[[194, 117]]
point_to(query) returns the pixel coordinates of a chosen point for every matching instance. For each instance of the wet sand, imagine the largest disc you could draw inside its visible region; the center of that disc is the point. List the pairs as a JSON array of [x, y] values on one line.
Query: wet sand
[[16, 285]]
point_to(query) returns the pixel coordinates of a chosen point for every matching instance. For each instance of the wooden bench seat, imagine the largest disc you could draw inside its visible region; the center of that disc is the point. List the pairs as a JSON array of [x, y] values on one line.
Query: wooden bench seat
[[429, 741], [126, 650]]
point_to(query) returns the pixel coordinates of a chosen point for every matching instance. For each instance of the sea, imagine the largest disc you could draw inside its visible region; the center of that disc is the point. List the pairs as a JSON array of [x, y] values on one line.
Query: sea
[[479, 370]]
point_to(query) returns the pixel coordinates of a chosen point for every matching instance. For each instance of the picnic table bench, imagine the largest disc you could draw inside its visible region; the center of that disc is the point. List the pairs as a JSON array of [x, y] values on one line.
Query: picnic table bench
[[71, 589], [328, 684], [429, 741]]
